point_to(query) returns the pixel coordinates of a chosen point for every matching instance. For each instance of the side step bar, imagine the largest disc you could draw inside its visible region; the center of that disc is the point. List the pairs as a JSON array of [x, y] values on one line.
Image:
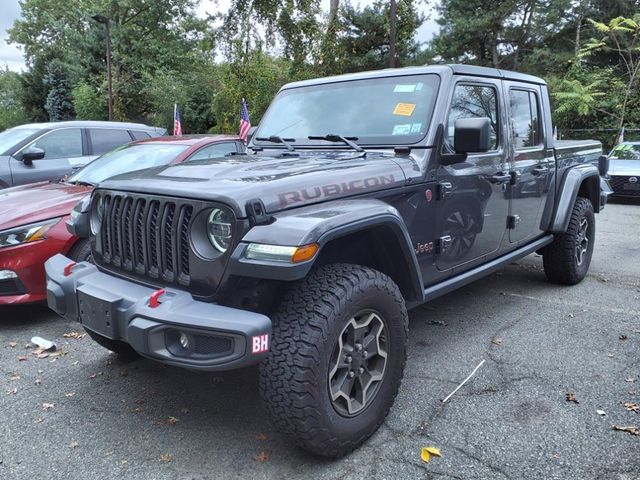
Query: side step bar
[[465, 278]]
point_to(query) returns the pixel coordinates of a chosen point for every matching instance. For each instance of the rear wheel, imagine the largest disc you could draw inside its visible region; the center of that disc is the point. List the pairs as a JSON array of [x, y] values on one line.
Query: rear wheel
[[567, 259], [337, 358]]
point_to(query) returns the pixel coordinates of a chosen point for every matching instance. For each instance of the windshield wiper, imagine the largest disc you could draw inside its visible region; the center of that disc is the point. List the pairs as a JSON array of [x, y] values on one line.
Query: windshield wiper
[[332, 137], [277, 139]]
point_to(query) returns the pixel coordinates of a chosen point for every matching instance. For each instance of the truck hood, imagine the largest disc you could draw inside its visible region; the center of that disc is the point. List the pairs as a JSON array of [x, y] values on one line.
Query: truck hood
[[624, 167], [38, 201], [280, 182]]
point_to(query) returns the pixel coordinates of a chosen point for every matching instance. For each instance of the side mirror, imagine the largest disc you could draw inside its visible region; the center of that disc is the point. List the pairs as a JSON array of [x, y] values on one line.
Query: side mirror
[[79, 221], [472, 135], [251, 133], [30, 154], [603, 165]]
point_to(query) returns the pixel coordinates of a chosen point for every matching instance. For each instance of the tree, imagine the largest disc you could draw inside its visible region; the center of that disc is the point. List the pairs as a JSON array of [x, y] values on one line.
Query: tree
[[621, 36], [59, 104], [11, 91]]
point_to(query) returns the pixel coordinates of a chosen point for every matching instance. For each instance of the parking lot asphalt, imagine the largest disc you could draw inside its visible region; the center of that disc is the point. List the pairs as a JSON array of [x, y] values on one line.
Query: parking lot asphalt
[[82, 413]]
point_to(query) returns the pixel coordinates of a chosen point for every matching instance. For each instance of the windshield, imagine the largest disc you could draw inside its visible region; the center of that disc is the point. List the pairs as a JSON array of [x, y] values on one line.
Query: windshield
[[378, 111], [125, 159], [13, 136], [626, 151]]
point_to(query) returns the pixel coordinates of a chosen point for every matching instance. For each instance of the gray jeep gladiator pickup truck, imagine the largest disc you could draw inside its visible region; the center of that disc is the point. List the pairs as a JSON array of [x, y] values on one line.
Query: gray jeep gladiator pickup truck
[[362, 196]]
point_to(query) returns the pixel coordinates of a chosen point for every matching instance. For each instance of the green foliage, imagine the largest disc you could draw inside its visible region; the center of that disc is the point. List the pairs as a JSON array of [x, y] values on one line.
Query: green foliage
[[59, 104], [11, 91], [90, 101]]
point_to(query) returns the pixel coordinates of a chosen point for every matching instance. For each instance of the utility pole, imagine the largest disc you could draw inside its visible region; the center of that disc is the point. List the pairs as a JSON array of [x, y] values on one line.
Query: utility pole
[[105, 21], [392, 35]]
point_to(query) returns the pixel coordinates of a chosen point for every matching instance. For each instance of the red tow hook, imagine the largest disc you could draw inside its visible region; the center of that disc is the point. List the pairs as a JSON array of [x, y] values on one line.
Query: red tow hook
[[67, 268], [154, 298]]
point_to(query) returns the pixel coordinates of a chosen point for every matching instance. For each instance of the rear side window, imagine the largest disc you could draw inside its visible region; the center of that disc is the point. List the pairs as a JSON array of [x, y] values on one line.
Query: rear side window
[[214, 151], [104, 140], [474, 101], [63, 143], [138, 135], [525, 120]]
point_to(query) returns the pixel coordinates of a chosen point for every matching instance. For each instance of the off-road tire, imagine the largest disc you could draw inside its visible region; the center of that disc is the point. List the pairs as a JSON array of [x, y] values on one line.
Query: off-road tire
[[81, 251], [123, 350], [294, 378], [559, 258]]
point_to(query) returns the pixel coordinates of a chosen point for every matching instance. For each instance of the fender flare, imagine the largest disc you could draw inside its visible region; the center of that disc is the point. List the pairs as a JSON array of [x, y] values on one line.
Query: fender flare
[[323, 224], [585, 177]]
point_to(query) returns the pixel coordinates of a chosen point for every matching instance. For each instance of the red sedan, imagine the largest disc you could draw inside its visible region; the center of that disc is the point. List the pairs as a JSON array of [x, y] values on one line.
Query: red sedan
[[33, 217]]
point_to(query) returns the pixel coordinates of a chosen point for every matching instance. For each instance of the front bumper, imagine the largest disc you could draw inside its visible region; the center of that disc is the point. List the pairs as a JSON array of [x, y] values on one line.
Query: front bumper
[[219, 338]]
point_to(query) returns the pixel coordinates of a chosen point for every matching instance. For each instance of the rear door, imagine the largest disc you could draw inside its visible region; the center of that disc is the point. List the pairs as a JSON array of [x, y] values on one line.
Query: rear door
[[103, 140], [531, 162], [64, 149], [472, 205]]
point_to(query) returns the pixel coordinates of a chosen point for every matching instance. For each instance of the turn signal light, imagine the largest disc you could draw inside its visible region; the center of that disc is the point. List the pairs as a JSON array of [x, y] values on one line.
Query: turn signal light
[[304, 253]]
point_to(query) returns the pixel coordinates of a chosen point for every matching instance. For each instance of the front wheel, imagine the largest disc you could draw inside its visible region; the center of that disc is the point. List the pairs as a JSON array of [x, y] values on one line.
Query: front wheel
[[336, 359], [567, 259]]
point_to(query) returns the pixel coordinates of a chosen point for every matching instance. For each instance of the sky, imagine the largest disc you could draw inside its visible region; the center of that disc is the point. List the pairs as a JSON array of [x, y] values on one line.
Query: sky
[[11, 56]]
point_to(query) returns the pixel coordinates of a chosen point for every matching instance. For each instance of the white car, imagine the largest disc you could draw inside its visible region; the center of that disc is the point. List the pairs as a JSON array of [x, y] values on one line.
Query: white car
[[624, 169]]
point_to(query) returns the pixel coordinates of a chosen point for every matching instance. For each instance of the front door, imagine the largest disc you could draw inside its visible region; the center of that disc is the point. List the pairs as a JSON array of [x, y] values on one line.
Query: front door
[[63, 149], [473, 205], [531, 163]]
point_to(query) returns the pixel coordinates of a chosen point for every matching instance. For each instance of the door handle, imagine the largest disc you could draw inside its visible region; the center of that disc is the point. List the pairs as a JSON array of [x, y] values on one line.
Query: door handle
[[539, 171], [500, 178]]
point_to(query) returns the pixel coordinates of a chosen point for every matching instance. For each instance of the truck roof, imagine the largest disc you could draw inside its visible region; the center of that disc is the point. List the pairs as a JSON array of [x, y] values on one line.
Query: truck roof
[[456, 69]]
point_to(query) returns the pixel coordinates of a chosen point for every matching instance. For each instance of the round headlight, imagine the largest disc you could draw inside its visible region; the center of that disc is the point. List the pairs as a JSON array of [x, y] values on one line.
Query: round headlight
[[97, 213], [219, 229]]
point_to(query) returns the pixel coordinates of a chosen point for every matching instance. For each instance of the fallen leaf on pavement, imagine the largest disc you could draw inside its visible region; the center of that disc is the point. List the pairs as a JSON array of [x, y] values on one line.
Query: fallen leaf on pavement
[[629, 380], [622, 337], [13, 344], [632, 407], [601, 412], [74, 444], [38, 381], [70, 394], [23, 358], [426, 452], [630, 429], [173, 420], [165, 457], [262, 457], [13, 391], [75, 335], [48, 406], [571, 397], [261, 437], [14, 377], [139, 401], [496, 341], [184, 410]]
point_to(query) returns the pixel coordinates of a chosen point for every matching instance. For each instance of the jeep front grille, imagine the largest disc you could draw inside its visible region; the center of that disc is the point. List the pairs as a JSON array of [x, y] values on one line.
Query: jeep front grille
[[147, 237]]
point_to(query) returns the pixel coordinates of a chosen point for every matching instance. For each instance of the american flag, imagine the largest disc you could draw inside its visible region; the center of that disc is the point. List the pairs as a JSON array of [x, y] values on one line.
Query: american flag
[[245, 123], [177, 124]]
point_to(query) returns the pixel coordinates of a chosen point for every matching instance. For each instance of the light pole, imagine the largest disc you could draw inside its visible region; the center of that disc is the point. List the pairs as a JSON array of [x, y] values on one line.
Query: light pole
[[105, 21], [392, 35]]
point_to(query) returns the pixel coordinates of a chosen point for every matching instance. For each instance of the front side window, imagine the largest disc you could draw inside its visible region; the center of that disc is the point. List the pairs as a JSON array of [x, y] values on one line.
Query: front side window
[[214, 151], [525, 123], [474, 101], [376, 111], [64, 143], [104, 140]]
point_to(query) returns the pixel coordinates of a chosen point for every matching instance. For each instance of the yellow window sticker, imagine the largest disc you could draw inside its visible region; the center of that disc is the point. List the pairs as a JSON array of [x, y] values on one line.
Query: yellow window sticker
[[404, 109]]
